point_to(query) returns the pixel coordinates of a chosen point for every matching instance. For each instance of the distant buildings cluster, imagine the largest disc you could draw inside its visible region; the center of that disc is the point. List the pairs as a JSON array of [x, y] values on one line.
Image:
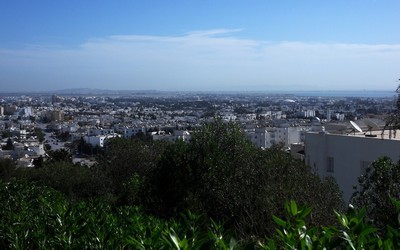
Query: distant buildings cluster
[[316, 130]]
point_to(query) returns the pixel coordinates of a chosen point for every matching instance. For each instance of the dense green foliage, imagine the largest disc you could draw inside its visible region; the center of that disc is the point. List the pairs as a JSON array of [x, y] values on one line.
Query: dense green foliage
[[218, 174], [355, 231], [378, 187], [74, 181], [128, 164], [39, 134], [222, 175], [34, 217], [7, 169], [38, 217], [139, 193]]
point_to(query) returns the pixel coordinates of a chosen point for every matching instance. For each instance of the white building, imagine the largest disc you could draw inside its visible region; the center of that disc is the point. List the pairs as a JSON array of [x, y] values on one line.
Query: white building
[[346, 157], [266, 137], [38, 149], [98, 140], [129, 132], [100, 131], [24, 112], [177, 135], [70, 128], [309, 113], [182, 135], [95, 140], [328, 115]]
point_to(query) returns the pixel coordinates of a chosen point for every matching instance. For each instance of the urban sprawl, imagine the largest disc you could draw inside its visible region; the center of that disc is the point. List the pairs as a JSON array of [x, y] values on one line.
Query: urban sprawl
[[314, 129]]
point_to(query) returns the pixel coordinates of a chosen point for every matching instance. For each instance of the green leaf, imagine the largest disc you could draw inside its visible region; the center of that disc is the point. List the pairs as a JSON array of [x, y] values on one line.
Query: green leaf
[[305, 211], [174, 239], [279, 221], [232, 244], [367, 231], [293, 207], [348, 239]]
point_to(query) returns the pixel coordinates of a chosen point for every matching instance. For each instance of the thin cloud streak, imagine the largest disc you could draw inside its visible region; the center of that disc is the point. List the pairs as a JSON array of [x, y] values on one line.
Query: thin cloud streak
[[202, 60]]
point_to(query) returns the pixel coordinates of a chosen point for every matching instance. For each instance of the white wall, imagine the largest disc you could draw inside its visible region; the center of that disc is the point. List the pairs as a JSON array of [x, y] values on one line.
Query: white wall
[[95, 140], [348, 153], [267, 137]]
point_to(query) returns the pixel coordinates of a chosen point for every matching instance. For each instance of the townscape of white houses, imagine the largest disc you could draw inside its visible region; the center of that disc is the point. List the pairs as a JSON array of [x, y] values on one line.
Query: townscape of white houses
[[316, 130]]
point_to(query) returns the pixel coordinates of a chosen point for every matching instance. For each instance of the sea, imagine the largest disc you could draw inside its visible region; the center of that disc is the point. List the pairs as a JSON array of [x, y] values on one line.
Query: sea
[[360, 93]]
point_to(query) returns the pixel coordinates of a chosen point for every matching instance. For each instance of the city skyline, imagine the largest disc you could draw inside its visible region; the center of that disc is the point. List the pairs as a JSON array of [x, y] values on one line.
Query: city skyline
[[199, 46]]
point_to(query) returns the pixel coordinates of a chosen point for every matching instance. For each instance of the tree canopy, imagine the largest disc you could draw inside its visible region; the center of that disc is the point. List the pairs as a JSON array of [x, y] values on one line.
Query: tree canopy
[[221, 174], [378, 187]]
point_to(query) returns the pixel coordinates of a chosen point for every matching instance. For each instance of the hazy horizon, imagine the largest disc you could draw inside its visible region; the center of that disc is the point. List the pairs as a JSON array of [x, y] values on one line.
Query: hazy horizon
[[299, 93], [199, 45]]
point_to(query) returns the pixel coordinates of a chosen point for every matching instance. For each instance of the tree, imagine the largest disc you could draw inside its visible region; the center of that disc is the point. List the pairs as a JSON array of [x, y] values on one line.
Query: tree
[[39, 133], [124, 159], [6, 133], [47, 147], [393, 120], [60, 155], [63, 136], [378, 186], [219, 173], [84, 147], [75, 181], [9, 145], [7, 169], [171, 182], [38, 162]]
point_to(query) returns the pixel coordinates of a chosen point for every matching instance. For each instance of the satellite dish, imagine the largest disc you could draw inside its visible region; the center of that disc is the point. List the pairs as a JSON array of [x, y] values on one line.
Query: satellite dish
[[371, 126], [355, 127]]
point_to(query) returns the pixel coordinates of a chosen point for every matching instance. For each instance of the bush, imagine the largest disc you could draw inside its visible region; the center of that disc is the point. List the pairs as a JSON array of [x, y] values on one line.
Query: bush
[[354, 231], [37, 217], [7, 169], [74, 181]]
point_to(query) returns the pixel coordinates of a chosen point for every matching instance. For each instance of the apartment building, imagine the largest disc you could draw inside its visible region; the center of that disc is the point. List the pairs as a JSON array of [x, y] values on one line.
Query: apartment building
[[266, 137], [347, 156]]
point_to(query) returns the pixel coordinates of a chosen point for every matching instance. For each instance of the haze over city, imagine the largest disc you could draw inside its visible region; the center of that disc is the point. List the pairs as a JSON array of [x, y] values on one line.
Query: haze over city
[[199, 45]]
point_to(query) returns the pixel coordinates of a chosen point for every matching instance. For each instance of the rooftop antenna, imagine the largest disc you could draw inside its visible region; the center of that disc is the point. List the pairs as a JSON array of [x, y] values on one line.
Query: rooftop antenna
[[355, 127]]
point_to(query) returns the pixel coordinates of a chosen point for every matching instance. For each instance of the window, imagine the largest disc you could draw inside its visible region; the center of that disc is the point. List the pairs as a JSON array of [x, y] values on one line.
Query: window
[[330, 165]]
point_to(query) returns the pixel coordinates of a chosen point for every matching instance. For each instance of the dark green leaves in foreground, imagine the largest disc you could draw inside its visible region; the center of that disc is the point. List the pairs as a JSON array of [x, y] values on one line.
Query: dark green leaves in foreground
[[37, 217], [354, 231]]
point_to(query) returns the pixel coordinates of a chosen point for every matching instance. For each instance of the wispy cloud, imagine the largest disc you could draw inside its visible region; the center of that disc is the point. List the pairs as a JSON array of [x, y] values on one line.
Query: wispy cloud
[[213, 32], [202, 60]]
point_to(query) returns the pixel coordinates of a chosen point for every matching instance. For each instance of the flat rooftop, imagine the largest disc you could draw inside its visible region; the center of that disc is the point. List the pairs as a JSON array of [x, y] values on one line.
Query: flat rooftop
[[377, 134]]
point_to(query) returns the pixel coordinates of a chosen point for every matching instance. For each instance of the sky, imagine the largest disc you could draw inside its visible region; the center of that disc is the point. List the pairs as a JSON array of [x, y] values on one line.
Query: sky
[[208, 45]]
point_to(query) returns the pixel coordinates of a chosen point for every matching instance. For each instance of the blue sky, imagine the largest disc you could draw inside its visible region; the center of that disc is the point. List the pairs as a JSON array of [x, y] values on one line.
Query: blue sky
[[200, 45]]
